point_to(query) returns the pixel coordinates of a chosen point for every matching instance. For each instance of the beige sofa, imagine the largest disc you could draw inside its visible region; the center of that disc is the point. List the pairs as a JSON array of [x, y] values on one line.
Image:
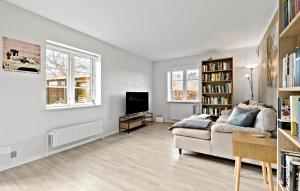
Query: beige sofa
[[217, 140]]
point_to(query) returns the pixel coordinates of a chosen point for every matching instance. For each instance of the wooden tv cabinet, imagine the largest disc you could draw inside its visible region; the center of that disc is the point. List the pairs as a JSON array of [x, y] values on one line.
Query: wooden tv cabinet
[[132, 121]]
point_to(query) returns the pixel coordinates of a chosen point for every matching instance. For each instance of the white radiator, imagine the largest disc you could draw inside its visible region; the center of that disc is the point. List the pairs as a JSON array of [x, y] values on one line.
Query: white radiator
[[69, 134], [179, 111]]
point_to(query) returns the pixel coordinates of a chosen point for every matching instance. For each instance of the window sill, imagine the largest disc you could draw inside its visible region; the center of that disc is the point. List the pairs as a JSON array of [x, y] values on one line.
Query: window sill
[[68, 107], [184, 101]]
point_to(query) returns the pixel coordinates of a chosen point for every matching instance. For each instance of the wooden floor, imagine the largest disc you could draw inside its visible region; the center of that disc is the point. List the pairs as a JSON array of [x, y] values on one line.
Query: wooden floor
[[144, 160]]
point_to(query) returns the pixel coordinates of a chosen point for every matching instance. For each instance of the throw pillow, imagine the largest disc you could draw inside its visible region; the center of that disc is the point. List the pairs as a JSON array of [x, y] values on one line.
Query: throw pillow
[[248, 107], [266, 120], [237, 111], [245, 119]]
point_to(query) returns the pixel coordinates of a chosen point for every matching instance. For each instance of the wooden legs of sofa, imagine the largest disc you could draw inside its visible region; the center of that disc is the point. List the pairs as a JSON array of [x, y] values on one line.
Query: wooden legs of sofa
[[180, 151]]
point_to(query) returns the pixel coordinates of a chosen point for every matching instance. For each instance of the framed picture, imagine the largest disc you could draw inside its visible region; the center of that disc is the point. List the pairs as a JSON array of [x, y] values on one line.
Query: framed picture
[[19, 56], [272, 56]]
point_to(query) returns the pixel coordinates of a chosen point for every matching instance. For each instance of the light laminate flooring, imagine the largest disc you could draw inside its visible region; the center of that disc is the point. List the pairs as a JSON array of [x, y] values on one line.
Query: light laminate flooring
[[144, 160]]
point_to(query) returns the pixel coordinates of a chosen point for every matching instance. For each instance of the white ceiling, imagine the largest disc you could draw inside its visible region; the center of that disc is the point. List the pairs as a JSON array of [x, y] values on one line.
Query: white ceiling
[[162, 29]]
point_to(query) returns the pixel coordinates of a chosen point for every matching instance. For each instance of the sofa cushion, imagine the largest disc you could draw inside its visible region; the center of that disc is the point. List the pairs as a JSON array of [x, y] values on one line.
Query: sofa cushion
[[194, 133], [222, 119], [237, 111], [266, 120], [227, 128], [246, 119]]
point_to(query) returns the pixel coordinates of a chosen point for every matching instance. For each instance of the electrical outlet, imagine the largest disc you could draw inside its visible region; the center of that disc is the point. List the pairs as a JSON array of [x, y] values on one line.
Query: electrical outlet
[[13, 154]]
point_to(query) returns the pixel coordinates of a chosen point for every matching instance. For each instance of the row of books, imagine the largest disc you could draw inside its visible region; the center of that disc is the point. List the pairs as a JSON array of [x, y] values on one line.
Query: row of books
[[217, 76], [216, 66], [289, 114], [291, 69], [290, 8], [290, 169], [212, 111], [224, 88], [216, 100]]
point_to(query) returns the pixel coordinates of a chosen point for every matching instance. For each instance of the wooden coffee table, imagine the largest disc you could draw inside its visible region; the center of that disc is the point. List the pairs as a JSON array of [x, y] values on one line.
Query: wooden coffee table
[[245, 145]]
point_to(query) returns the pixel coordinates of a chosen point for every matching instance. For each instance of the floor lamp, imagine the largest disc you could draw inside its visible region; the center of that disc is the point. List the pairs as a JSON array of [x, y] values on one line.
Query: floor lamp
[[250, 77]]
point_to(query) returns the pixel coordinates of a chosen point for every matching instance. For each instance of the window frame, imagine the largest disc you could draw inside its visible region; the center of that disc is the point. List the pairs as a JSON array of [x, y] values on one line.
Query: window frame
[[184, 81], [70, 76]]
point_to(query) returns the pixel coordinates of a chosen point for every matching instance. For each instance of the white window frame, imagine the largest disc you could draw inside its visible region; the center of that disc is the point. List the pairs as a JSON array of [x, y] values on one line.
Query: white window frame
[[95, 83], [169, 93]]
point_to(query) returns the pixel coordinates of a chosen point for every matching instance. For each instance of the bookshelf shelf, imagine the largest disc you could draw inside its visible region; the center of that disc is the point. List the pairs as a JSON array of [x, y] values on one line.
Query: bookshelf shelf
[[216, 71], [288, 135], [217, 75], [218, 81], [221, 105], [293, 29], [289, 40], [214, 94], [290, 89]]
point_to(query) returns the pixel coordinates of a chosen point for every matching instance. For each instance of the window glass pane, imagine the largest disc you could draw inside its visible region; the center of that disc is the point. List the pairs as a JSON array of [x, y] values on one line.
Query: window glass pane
[[56, 75], [177, 90], [56, 59], [82, 95], [192, 74], [82, 80], [82, 75], [192, 89], [82, 64], [177, 75], [56, 95]]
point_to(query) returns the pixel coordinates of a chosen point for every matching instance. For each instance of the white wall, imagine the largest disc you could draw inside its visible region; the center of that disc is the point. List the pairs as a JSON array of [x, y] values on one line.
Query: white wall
[[241, 88], [23, 119]]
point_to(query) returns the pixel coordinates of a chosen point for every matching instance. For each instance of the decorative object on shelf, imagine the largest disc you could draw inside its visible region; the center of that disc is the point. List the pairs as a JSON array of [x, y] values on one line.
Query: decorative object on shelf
[[272, 56], [250, 78], [21, 56]]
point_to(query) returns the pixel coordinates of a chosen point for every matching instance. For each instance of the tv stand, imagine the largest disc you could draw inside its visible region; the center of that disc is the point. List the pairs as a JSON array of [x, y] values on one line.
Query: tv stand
[[132, 121]]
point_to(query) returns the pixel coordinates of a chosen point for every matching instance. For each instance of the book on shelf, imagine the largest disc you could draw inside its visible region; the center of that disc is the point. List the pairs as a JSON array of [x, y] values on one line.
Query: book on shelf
[[290, 10], [294, 102], [223, 88], [221, 76], [216, 66], [291, 69], [284, 116], [294, 176], [220, 100], [287, 157], [212, 111]]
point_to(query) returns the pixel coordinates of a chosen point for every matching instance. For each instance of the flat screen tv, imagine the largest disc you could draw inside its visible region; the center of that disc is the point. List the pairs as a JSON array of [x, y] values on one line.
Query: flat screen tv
[[137, 102]]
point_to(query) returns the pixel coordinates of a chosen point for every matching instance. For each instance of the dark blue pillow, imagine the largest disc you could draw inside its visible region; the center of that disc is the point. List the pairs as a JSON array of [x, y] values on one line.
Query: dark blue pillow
[[246, 119]]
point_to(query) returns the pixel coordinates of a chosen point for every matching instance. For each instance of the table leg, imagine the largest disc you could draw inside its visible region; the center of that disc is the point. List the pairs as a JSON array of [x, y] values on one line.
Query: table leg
[[270, 176], [264, 172], [237, 173]]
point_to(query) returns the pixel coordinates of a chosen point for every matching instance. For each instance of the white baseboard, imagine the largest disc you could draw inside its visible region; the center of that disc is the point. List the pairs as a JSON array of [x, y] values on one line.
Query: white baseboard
[[22, 161], [12, 164]]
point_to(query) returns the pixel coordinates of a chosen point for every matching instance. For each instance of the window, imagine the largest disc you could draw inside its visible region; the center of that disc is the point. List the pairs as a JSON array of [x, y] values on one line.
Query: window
[[183, 84], [72, 77]]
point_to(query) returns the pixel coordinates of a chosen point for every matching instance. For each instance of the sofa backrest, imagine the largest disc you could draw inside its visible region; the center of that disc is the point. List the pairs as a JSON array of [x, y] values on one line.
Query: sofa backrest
[[266, 119]]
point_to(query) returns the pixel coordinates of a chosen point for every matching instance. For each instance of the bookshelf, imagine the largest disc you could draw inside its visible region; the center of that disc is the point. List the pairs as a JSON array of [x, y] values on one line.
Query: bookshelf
[[289, 40], [217, 85]]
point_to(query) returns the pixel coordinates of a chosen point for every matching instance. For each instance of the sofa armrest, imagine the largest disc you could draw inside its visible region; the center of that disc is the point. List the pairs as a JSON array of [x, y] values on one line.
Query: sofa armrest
[[227, 128]]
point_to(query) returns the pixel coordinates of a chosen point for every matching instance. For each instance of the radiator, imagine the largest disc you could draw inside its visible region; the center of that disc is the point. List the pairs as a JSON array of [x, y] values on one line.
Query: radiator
[[179, 111], [69, 134]]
